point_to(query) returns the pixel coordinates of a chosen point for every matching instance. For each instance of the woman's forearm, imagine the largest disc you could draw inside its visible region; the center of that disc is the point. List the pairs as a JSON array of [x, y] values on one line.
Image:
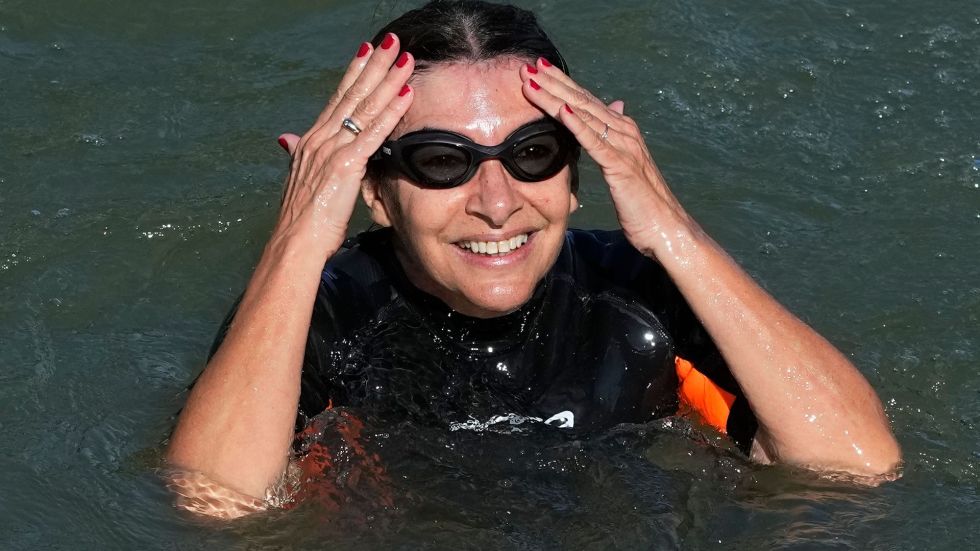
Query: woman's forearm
[[814, 408], [237, 425]]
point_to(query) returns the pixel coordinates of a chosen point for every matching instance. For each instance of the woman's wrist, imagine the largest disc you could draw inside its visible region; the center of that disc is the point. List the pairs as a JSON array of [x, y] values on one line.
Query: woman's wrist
[[300, 250], [671, 236]]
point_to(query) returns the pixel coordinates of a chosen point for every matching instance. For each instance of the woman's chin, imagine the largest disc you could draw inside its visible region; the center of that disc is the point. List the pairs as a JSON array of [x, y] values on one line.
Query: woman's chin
[[495, 301]]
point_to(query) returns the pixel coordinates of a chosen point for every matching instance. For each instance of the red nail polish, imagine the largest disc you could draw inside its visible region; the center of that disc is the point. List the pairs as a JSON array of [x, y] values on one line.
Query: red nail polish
[[364, 49], [284, 144], [388, 41], [532, 69], [569, 109], [544, 62], [405, 90], [402, 60], [534, 85]]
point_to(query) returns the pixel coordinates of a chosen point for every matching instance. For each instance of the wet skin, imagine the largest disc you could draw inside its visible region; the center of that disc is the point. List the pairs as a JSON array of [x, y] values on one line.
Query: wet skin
[[484, 102]]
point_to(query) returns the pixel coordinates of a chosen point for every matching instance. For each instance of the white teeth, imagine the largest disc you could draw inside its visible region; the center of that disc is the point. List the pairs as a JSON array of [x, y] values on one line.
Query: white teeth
[[494, 247]]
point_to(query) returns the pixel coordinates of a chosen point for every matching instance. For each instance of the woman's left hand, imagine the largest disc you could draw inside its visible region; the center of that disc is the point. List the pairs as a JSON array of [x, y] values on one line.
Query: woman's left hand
[[643, 201], [814, 408]]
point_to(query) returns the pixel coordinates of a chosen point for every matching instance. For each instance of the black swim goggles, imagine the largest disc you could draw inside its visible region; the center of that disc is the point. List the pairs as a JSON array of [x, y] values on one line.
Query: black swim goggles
[[439, 159]]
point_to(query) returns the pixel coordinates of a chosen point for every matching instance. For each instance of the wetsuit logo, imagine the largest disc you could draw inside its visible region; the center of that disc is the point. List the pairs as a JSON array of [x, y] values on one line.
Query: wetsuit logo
[[562, 420], [512, 422]]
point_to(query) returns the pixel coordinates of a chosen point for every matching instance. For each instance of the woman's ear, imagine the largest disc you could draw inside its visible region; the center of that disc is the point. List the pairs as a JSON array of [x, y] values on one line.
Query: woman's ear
[[374, 199], [573, 203]]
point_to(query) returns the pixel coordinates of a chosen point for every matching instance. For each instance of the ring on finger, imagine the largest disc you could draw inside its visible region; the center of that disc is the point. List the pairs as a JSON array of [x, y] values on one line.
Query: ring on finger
[[351, 126], [605, 133]]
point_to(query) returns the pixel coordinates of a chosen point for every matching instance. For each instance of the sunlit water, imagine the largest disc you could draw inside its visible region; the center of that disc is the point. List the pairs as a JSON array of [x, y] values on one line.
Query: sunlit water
[[832, 147]]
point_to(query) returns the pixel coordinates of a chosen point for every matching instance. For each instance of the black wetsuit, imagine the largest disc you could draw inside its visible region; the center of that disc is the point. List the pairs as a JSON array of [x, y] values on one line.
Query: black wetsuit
[[595, 346]]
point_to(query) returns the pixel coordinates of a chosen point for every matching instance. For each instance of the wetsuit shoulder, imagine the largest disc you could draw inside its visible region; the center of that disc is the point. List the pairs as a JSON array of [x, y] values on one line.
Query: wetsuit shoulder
[[606, 259], [355, 290], [355, 281], [600, 258]]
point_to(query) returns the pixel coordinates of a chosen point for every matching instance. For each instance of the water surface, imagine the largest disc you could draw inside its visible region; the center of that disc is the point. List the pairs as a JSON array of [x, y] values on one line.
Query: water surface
[[831, 147]]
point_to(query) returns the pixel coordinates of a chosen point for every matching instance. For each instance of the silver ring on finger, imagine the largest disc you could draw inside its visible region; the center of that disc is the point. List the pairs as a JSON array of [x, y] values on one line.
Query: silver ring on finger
[[605, 133], [351, 126]]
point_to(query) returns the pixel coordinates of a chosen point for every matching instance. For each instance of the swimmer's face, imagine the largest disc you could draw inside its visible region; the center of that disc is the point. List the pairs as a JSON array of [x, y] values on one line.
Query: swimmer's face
[[436, 228]]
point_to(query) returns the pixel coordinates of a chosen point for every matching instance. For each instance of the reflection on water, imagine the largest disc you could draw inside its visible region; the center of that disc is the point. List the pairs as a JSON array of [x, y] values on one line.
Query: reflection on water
[[830, 147]]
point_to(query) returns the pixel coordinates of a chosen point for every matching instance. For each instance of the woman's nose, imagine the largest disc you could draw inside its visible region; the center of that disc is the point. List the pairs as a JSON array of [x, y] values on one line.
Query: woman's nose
[[494, 196]]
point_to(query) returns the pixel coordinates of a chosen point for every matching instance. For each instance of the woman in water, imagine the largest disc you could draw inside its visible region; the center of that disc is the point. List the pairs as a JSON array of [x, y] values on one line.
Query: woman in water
[[460, 128]]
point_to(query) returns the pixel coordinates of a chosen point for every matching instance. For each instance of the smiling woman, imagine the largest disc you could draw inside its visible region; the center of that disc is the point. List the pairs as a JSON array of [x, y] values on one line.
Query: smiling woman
[[460, 127], [484, 101]]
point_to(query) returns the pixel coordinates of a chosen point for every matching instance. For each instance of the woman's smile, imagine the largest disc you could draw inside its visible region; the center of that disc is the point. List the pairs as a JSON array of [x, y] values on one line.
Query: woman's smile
[[493, 246]]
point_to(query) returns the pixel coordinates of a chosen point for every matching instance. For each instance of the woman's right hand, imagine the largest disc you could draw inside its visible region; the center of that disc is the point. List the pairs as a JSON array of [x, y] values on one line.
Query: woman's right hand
[[329, 162], [237, 426]]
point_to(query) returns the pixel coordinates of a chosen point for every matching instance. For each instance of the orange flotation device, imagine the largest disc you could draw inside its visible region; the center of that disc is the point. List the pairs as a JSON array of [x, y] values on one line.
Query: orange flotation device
[[712, 403]]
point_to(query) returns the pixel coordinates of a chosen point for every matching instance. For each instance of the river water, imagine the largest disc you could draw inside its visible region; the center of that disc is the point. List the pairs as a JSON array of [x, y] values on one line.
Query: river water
[[830, 146]]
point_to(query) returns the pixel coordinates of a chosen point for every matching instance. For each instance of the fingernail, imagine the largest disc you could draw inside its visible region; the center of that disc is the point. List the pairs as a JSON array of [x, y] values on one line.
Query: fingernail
[[569, 109], [364, 49], [402, 60], [534, 85], [544, 62], [284, 144], [405, 90], [532, 69], [388, 41]]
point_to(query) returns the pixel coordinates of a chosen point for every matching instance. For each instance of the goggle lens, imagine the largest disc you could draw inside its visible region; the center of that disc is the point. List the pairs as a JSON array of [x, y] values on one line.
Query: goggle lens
[[439, 165], [539, 156]]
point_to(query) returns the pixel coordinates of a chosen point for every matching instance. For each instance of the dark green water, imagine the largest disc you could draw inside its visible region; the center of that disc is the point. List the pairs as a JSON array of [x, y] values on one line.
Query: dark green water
[[832, 147]]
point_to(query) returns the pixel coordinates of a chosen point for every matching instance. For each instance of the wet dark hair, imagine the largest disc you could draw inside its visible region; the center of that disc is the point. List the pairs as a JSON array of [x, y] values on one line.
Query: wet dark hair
[[471, 31], [447, 31]]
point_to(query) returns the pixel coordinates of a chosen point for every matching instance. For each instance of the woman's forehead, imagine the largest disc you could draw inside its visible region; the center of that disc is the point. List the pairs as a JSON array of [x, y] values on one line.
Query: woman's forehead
[[482, 101]]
